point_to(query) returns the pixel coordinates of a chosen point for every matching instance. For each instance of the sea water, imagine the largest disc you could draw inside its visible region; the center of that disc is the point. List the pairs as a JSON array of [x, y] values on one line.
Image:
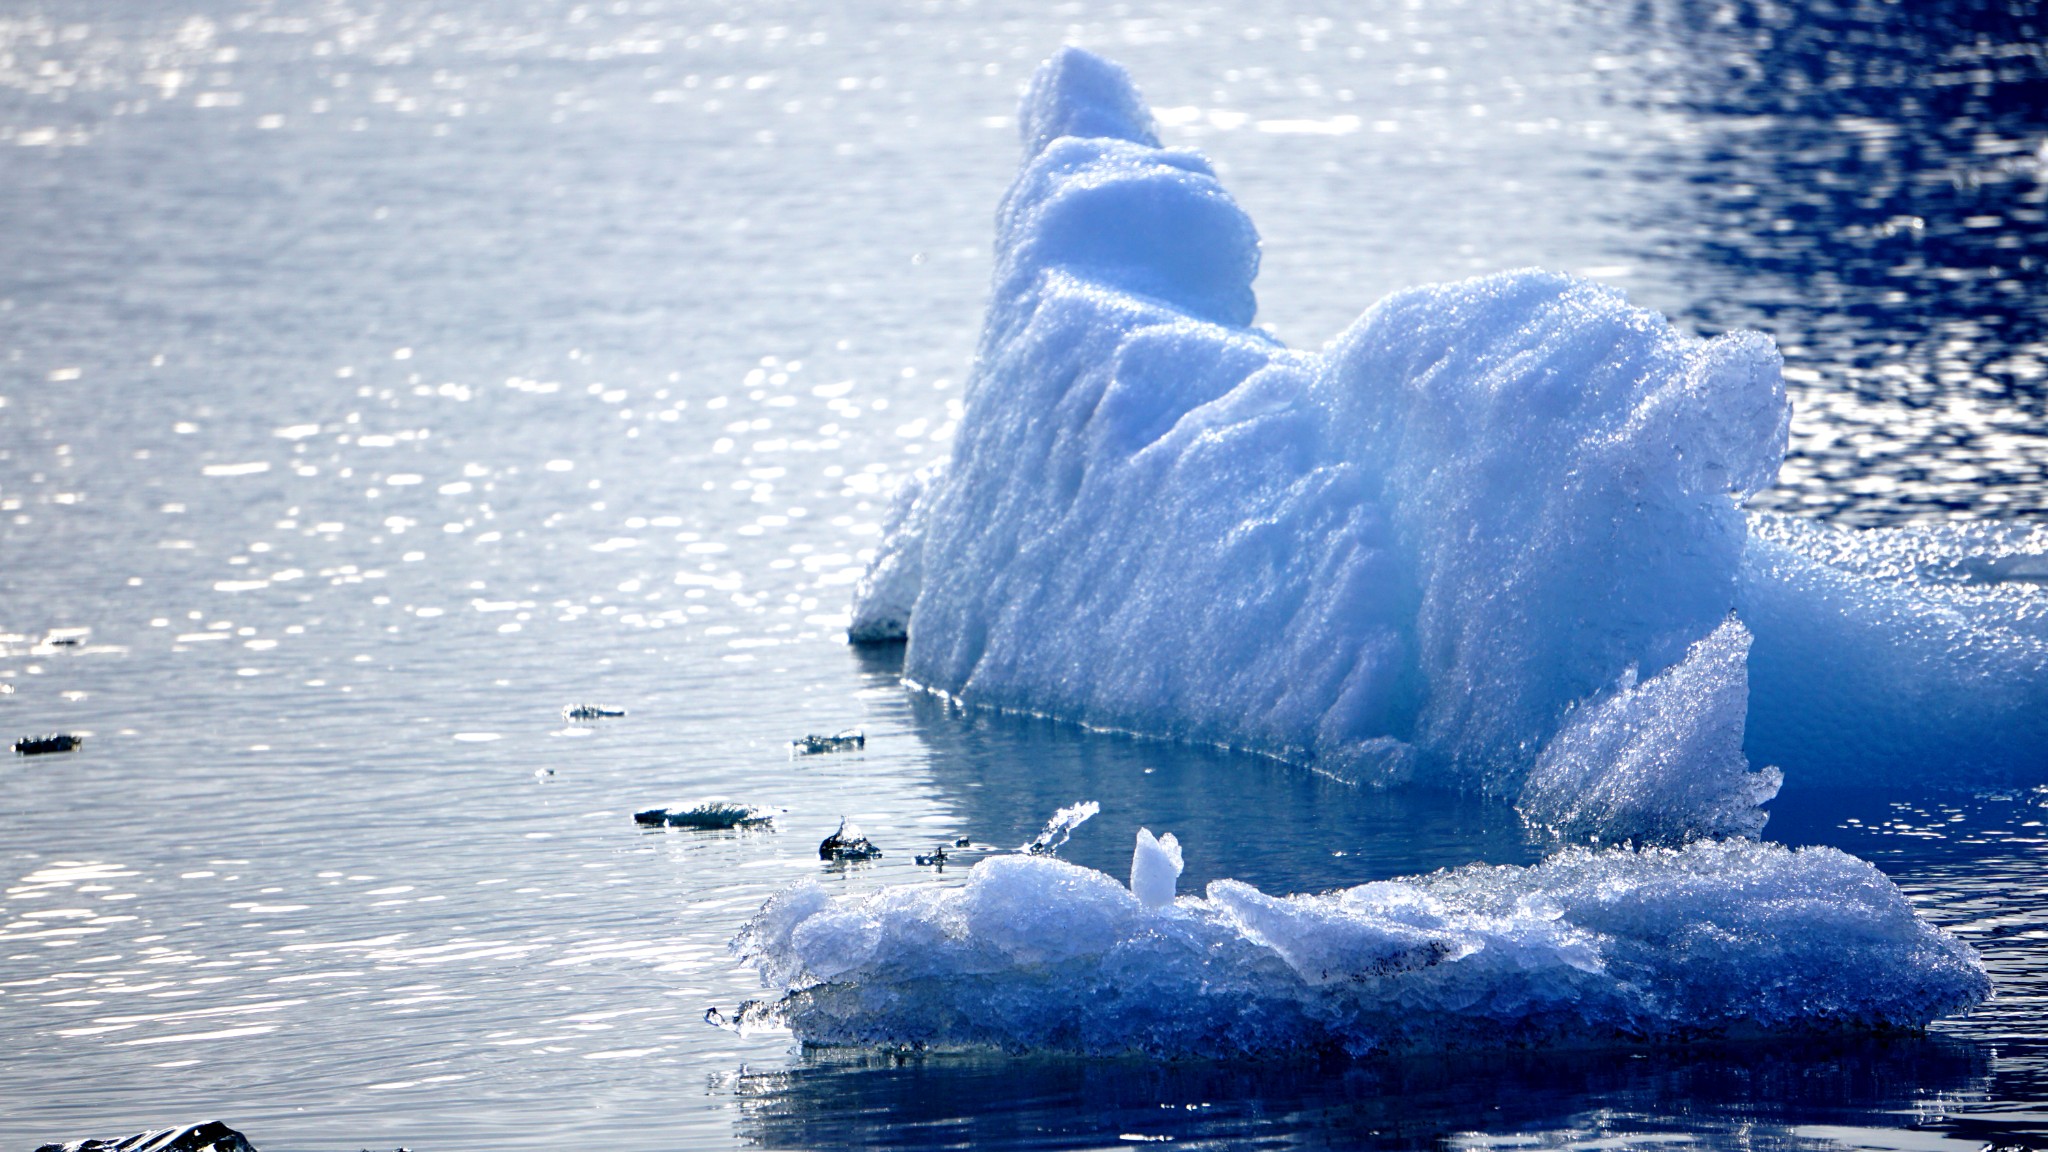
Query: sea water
[[380, 381]]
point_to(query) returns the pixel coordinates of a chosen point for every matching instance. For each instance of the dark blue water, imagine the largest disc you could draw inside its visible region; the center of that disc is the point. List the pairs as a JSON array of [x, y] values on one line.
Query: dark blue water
[[376, 380]]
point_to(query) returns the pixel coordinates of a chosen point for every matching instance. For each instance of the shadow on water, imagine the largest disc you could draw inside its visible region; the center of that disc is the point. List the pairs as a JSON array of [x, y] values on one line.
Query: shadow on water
[[1244, 817], [1756, 1096], [1868, 181]]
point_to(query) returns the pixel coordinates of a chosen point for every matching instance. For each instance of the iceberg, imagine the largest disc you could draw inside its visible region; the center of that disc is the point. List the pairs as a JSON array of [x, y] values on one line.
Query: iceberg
[[1718, 939], [1491, 537]]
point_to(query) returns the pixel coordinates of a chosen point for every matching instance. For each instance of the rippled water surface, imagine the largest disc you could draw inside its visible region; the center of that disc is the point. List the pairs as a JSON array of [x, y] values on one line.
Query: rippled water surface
[[377, 379]]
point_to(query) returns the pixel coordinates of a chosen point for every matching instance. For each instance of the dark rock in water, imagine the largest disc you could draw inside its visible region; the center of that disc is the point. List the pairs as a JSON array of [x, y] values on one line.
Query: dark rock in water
[[213, 1136], [963, 842], [851, 740], [54, 742], [713, 814], [847, 844], [590, 712]]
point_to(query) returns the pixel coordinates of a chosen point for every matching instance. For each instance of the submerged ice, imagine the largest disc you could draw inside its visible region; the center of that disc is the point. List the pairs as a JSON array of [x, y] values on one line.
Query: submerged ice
[[1490, 536], [1717, 939]]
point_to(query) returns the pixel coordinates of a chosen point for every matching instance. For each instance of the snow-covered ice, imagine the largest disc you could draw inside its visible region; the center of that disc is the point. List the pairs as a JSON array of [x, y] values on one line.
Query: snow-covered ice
[[1474, 538], [1727, 938]]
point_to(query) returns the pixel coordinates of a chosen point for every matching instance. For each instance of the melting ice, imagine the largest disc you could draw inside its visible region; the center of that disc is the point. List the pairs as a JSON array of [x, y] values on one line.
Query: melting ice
[[1491, 536], [1727, 938]]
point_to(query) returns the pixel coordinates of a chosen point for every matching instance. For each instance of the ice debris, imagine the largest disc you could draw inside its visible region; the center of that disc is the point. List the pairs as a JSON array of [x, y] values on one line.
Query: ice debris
[[713, 814], [851, 740], [41, 745], [1731, 938], [212, 1136], [1488, 513], [1053, 836], [848, 843], [1155, 869]]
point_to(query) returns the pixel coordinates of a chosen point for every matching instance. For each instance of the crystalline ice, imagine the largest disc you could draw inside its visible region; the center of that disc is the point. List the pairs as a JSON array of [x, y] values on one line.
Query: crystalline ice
[[1424, 551], [1661, 760], [1155, 869], [1716, 939]]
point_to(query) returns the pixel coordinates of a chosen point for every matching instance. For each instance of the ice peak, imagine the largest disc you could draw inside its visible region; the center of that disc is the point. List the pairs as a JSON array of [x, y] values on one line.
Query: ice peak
[[1077, 93], [1155, 868]]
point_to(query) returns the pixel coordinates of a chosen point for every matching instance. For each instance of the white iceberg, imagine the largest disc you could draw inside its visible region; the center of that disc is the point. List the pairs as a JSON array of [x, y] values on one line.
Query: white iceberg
[[1485, 513], [1717, 939]]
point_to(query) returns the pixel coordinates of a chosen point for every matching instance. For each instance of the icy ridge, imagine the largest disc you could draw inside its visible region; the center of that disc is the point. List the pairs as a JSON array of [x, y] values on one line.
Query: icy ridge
[[1485, 513], [1413, 553], [1718, 939]]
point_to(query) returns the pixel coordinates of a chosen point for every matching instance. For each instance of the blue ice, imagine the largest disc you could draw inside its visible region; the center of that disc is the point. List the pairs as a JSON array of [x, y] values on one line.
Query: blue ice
[[1718, 939], [1492, 536]]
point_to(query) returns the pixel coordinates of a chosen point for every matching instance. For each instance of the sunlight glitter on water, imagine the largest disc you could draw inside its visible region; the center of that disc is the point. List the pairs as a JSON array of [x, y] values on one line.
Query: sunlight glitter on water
[[352, 348]]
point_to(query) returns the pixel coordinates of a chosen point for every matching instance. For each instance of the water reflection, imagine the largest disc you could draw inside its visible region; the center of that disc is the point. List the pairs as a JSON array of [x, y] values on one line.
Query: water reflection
[[1869, 182], [1239, 816], [1747, 1096]]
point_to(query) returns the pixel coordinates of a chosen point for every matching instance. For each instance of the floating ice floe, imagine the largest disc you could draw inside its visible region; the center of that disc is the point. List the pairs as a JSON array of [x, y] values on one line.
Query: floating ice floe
[[1719, 939], [1491, 536]]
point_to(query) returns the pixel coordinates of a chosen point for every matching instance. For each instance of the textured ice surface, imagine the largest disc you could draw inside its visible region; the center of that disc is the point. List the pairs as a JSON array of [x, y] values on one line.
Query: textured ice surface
[[887, 591], [1720, 938], [1659, 760], [1889, 655], [1487, 512]]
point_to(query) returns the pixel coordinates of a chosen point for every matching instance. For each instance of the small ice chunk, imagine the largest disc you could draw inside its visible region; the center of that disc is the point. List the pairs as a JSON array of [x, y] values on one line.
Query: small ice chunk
[[1155, 868], [1062, 825]]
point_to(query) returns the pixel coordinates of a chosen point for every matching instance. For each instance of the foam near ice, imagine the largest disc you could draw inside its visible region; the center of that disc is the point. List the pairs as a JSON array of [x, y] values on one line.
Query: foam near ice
[[1473, 540], [1717, 939]]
